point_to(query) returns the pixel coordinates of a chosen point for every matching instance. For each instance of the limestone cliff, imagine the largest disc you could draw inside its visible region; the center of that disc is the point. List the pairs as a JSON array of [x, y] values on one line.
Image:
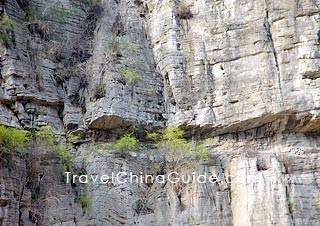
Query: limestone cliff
[[245, 73]]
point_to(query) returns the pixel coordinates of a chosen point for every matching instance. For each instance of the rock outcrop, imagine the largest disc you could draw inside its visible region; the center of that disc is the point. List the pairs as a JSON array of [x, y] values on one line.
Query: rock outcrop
[[244, 72]]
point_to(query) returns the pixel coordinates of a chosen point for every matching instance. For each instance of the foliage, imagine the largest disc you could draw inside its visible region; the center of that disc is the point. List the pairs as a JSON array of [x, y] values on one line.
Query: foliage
[[131, 76], [100, 149], [127, 143], [83, 201], [200, 152], [117, 27], [46, 136], [99, 90], [37, 21], [149, 91], [116, 49], [289, 204], [7, 26], [54, 12], [62, 14], [40, 21], [73, 137], [8, 23], [4, 37], [12, 140], [129, 51], [113, 51], [128, 45], [66, 159], [176, 148], [32, 13]]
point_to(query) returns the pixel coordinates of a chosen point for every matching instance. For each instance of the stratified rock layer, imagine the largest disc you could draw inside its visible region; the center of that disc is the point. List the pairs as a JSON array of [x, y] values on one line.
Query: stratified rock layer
[[245, 71]]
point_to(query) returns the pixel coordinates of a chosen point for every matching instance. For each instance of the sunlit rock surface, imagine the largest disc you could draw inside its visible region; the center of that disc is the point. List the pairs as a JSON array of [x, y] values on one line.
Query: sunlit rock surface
[[244, 71]]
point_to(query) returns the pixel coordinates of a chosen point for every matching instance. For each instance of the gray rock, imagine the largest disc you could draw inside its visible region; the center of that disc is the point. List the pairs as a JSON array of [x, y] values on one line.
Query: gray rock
[[244, 72]]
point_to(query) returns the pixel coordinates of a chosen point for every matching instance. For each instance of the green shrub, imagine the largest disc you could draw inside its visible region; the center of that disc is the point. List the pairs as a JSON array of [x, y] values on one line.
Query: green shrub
[[7, 23], [32, 13], [46, 136], [54, 12], [4, 37], [83, 201], [176, 148], [119, 49], [7, 26], [128, 45], [126, 144], [62, 14], [289, 205], [131, 76], [67, 160], [149, 91], [12, 140], [113, 51]]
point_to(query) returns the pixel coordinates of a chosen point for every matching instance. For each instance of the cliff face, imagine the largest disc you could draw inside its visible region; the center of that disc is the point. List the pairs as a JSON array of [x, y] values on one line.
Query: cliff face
[[245, 72]]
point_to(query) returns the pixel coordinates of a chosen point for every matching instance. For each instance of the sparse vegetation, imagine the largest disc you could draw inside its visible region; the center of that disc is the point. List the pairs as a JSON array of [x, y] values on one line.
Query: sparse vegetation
[[8, 23], [62, 14], [12, 140], [177, 149], [99, 90], [5, 38], [36, 21], [45, 136], [128, 143], [118, 27], [7, 26], [141, 207], [113, 51], [128, 45], [131, 76], [290, 205], [84, 202], [117, 49], [66, 159], [149, 91], [32, 13], [53, 13], [44, 21]]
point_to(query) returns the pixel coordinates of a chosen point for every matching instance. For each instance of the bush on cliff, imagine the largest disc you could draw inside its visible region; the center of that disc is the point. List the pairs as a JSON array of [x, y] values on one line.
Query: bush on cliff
[[12, 140], [176, 149], [127, 143], [45, 136]]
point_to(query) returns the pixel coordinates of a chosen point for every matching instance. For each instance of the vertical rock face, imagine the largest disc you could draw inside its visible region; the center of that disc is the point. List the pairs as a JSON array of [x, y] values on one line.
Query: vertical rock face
[[226, 63], [123, 64], [244, 71]]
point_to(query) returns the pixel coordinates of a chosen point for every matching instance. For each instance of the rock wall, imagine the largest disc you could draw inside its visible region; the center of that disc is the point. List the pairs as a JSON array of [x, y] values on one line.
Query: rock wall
[[244, 72]]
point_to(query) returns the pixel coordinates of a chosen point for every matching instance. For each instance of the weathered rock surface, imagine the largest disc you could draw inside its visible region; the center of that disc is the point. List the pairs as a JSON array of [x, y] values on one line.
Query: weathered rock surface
[[245, 71], [236, 61], [271, 184]]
